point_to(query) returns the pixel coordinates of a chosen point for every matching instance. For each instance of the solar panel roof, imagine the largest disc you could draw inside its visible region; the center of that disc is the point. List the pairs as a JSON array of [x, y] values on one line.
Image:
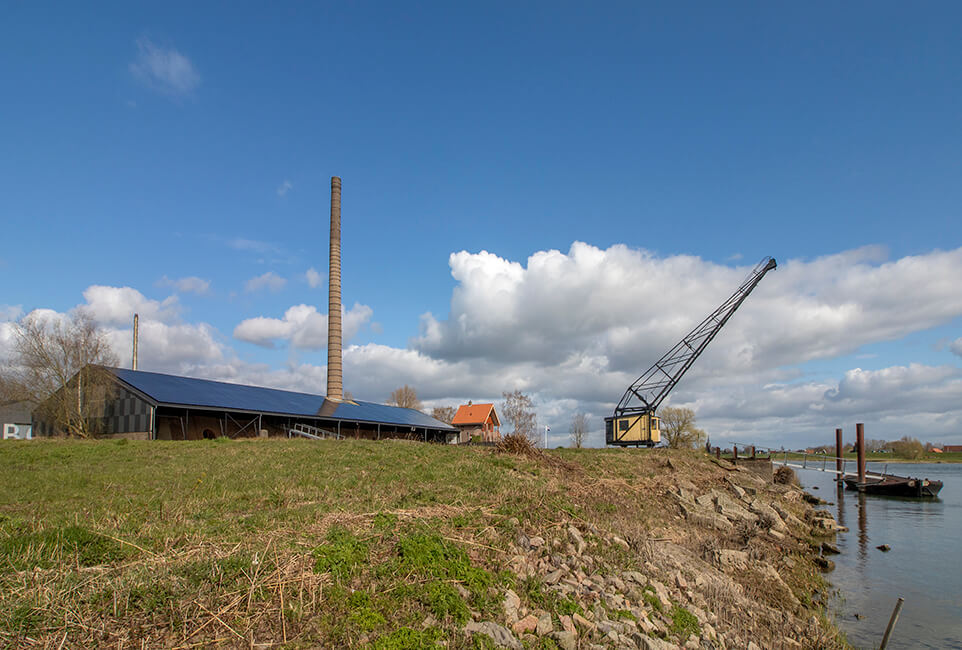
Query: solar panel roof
[[172, 390]]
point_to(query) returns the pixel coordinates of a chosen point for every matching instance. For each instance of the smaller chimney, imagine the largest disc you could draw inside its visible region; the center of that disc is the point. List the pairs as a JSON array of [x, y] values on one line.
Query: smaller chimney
[[133, 364]]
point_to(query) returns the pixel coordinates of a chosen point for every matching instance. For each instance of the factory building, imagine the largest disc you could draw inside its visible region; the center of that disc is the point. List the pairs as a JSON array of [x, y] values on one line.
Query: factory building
[[154, 406]]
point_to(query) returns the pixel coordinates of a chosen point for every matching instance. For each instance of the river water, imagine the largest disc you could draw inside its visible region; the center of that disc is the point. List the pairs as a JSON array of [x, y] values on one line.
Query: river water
[[924, 565]]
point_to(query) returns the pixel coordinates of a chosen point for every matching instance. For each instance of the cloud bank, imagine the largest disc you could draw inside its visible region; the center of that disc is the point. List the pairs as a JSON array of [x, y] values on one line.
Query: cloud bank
[[574, 329]]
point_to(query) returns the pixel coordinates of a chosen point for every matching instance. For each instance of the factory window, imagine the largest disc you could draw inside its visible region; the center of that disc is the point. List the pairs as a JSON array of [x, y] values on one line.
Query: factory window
[[622, 425]]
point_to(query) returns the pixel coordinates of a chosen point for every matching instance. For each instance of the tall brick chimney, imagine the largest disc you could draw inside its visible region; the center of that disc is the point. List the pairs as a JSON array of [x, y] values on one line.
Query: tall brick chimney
[[335, 388]]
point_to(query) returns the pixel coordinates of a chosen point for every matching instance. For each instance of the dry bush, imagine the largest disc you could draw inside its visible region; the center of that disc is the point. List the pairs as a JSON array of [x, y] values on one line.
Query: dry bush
[[518, 444], [785, 476], [521, 445]]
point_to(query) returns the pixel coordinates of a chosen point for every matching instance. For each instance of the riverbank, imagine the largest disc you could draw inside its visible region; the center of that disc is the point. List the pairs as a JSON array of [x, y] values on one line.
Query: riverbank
[[400, 545]]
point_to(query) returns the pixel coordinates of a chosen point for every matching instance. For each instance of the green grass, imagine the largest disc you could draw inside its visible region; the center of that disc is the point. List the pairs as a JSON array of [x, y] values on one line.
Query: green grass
[[684, 622], [648, 595], [342, 555], [387, 544], [183, 528]]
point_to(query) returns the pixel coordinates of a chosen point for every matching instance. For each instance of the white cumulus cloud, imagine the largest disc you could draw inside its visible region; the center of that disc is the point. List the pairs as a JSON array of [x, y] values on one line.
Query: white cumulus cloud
[[10, 312], [167, 347], [629, 306], [164, 69], [302, 325], [314, 279], [270, 281], [117, 305]]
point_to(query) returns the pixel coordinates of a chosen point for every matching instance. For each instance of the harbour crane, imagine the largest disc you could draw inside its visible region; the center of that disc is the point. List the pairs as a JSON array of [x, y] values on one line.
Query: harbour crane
[[635, 422]]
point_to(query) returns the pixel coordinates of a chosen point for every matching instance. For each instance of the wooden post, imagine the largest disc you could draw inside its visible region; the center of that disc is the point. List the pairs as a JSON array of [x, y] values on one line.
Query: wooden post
[[753, 452], [892, 621], [718, 452], [734, 452], [860, 450], [838, 452]]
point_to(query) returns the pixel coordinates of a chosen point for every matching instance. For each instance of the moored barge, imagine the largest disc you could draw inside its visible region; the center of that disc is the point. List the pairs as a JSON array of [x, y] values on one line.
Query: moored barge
[[895, 486]]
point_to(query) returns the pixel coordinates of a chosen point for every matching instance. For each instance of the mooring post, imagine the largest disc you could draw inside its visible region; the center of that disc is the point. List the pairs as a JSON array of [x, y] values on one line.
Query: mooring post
[[718, 453], [838, 452], [734, 452], [753, 452], [892, 621], [860, 453]]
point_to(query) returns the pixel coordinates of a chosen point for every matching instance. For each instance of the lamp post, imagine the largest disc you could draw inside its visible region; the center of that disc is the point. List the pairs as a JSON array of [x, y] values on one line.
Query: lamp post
[[546, 430]]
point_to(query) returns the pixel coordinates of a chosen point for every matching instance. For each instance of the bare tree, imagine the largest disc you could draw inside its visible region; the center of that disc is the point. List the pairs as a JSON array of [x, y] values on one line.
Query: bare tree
[[443, 413], [57, 366], [678, 428], [405, 397], [579, 429], [517, 411]]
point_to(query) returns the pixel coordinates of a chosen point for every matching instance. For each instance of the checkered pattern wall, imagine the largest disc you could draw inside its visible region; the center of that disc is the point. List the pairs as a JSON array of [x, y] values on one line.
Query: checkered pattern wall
[[126, 413]]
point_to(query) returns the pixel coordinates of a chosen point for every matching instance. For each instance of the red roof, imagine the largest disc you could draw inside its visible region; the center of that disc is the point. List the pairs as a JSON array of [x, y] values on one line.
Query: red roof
[[475, 414]]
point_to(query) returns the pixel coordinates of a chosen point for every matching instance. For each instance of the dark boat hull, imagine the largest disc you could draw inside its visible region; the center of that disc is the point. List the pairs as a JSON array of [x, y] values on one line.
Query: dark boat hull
[[895, 486]]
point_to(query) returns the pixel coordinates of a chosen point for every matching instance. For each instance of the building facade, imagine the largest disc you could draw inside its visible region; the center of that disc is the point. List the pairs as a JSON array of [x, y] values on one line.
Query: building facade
[[16, 421], [479, 421]]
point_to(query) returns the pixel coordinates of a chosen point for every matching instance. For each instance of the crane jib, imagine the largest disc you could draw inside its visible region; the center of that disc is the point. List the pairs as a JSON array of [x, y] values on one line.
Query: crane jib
[[634, 421]]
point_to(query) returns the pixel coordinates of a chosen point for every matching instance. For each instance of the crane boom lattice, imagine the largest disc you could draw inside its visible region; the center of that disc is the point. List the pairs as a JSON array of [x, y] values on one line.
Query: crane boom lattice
[[634, 421]]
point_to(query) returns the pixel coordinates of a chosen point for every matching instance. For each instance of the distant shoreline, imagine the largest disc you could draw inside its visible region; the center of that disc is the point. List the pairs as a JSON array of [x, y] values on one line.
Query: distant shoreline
[[950, 458]]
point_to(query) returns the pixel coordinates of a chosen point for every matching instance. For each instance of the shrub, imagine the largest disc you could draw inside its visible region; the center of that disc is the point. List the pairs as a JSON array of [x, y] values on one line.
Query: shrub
[[785, 476], [516, 443]]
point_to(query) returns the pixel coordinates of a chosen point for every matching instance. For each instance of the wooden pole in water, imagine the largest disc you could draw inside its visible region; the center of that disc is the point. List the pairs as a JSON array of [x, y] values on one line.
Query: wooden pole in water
[[860, 450], [838, 452], [892, 622]]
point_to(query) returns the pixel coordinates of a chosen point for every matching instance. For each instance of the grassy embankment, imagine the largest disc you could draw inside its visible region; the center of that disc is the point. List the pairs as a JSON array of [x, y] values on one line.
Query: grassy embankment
[[317, 543]]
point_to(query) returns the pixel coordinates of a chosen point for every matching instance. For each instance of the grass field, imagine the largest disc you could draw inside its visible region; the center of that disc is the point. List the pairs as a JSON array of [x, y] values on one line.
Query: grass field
[[389, 544]]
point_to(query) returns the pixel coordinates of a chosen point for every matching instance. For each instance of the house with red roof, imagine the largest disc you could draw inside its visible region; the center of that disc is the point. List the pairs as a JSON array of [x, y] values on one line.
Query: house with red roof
[[478, 420]]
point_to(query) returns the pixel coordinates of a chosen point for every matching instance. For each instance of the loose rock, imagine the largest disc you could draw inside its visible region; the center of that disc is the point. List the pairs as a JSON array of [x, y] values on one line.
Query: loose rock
[[498, 633]]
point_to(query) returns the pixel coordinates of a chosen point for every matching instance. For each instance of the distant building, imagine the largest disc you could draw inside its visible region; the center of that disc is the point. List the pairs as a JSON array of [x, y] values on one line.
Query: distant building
[[952, 448], [478, 420], [15, 420]]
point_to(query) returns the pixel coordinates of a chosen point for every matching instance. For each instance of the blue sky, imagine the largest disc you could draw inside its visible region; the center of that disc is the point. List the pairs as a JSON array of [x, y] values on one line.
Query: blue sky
[[146, 144]]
